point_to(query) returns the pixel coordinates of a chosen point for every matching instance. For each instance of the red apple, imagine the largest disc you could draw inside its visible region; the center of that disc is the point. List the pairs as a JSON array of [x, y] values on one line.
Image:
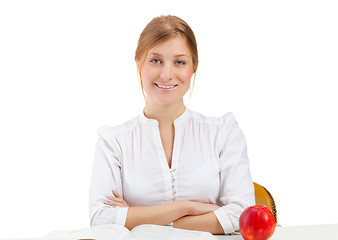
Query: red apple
[[257, 223]]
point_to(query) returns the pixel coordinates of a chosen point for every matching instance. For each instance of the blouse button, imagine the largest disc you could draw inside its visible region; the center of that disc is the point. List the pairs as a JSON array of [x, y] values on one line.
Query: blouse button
[[174, 198], [173, 170], [174, 192], [173, 179]]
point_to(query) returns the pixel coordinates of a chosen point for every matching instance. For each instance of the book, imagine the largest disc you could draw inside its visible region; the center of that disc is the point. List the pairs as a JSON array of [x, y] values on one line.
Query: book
[[119, 232]]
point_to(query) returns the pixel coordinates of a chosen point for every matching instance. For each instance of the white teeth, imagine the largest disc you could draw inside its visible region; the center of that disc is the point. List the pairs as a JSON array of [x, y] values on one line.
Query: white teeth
[[165, 86]]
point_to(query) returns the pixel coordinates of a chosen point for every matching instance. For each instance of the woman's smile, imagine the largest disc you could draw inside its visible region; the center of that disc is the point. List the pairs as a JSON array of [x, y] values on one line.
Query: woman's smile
[[166, 88]]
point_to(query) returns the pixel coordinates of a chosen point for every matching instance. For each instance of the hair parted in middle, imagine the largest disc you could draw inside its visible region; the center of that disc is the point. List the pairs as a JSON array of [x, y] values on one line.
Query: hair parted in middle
[[161, 29]]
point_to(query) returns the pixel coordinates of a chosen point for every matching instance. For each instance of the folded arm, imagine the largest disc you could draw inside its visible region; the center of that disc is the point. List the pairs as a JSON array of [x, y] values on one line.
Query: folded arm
[[207, 222], [162, 214]]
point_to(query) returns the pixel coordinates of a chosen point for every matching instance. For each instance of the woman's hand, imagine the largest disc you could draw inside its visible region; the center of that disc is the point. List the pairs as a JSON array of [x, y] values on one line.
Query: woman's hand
[[199, 208], [116, 201]]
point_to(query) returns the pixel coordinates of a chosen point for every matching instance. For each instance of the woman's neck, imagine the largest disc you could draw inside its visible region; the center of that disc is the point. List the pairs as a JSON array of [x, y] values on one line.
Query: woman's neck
[[164, 114]]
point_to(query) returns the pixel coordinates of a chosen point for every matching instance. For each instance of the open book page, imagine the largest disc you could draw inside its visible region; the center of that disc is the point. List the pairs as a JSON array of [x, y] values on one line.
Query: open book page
[[101, 232], [229, 237], [118, 232], [156, 232]]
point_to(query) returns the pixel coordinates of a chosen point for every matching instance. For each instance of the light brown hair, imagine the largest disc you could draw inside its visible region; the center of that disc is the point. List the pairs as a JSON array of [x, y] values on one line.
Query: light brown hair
[[160, 29]]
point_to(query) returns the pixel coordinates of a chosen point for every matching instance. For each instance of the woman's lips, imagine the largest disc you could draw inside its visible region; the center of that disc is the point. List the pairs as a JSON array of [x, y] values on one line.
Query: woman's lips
[[166, 87]]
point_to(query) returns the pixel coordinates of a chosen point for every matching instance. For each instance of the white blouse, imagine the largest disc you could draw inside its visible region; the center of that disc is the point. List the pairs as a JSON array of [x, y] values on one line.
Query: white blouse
[[209, 164]]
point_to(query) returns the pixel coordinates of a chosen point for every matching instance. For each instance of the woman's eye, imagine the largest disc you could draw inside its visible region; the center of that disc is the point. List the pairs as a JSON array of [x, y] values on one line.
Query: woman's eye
[[155, 61], [180, 62]]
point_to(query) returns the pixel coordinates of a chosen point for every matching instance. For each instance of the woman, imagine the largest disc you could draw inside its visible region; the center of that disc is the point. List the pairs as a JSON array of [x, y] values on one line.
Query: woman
[[170, 165]]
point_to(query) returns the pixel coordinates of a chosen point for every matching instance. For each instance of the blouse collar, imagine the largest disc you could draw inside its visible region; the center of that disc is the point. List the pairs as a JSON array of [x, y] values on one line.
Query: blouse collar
[[153, 122]]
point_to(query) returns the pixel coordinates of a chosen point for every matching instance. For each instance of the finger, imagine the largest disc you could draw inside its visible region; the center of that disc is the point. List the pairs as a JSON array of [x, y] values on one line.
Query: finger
[[121, 201], [115, 204], [120, 204], [113, 198], [116, 199], [116, 194], [109, 203]]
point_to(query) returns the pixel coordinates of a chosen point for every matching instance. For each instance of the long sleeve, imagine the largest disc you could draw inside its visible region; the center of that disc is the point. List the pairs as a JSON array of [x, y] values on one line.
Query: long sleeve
[[236, 189], [106, 176]]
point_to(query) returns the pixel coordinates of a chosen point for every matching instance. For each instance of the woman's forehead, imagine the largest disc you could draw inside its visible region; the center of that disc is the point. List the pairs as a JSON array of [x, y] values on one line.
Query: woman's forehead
[[176, 47]]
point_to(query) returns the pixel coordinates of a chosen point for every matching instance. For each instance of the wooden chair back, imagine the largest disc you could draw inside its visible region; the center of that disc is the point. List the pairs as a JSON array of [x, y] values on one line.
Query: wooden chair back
[[264, 197]]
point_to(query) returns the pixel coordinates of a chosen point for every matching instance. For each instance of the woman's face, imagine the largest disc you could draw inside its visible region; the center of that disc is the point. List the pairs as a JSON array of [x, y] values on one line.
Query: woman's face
[[167, 71]]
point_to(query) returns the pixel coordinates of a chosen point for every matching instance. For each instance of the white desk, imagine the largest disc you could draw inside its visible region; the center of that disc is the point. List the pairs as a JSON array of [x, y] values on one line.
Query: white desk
[[311, 232]]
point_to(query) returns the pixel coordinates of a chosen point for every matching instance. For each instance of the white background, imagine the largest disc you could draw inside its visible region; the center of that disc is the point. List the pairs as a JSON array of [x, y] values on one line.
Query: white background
[[67, 68]]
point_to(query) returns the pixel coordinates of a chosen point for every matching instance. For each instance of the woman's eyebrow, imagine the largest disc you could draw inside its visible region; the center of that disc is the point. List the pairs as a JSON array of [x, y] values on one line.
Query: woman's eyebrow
[[156, 54], [178, 55], [181, 55]]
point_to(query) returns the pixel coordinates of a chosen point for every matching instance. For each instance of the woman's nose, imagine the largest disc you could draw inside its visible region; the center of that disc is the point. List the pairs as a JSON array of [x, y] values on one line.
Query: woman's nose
[[166, 72]]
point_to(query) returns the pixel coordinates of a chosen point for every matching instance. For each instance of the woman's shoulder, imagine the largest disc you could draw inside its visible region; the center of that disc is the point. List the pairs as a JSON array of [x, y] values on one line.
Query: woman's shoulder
[[206, 119], [113, 130]]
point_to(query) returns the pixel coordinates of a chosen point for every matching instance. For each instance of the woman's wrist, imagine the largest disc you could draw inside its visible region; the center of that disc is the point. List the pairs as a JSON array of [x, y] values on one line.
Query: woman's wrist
[[184, 207], [189, 207], [194, 208]]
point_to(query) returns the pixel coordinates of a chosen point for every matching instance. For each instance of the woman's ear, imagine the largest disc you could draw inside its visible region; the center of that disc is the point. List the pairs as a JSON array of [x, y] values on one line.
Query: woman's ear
[[138, 70]]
